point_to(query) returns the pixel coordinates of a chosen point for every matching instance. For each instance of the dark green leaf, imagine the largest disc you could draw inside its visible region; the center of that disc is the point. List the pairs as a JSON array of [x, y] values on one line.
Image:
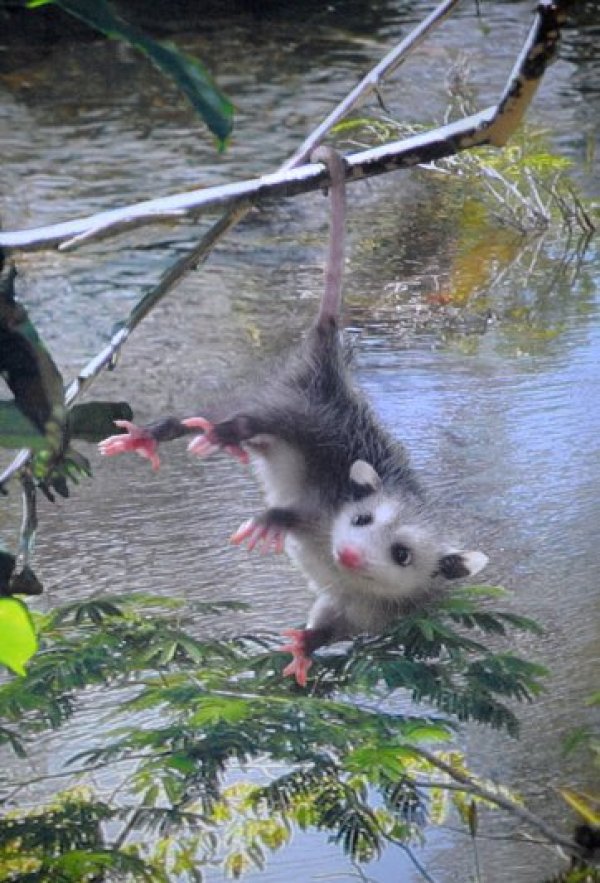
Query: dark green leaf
[[29, 370], [7, 565], [93, 421], [18, 431], [187, 72]]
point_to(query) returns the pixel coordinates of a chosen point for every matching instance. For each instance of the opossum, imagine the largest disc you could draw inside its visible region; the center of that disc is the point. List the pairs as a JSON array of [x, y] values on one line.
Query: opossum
[[341, 495]]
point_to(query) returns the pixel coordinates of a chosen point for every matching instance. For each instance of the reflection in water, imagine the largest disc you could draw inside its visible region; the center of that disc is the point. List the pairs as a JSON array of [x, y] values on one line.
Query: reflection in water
[[497, 398]]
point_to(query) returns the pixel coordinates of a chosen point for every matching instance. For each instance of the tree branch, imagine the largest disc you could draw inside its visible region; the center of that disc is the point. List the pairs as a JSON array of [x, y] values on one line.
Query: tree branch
[[496, 797], [186, 264], [493, 126]]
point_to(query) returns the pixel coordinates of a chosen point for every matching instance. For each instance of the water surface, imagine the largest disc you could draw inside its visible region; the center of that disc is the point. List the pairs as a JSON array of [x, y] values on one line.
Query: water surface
[[497, 398]]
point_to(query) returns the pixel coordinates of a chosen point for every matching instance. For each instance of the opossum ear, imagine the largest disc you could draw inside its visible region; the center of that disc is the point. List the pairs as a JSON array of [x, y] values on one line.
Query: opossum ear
[[364, 479], [458, 564]]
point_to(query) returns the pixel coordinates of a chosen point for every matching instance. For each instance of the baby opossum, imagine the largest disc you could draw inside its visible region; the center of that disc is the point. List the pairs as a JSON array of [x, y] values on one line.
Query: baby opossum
[[340, 493]]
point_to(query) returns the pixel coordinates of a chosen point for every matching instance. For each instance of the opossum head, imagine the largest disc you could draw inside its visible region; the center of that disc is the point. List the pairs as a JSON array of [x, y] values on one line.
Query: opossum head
[[389, 542]]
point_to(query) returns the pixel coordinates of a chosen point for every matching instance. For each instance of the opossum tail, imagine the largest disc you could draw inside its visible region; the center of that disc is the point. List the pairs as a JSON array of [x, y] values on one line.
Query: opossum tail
[[331, 302]]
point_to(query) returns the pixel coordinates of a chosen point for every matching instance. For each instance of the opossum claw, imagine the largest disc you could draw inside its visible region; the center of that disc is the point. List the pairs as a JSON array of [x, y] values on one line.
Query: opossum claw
[[208, 443], [301, 662], [269, 538], [136, 439]]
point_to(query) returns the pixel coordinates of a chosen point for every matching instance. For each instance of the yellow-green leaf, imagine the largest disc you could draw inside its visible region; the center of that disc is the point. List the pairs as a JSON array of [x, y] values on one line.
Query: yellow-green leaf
[[585, 805], [18, 641]]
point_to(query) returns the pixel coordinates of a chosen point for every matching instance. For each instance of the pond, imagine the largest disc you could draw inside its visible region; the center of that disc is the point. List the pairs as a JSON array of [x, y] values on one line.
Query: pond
[[496, 395]]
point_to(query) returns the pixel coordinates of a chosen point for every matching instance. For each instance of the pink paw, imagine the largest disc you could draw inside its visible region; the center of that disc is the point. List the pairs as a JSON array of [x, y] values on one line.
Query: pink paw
[[268, 538], [206, 444], [301, 662], [136, 439]]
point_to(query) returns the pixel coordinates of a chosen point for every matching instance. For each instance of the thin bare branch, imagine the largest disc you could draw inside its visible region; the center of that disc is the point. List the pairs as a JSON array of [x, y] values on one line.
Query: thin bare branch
[[501, 800], [29, 522], [370, 83], [198, 253], [492, 126]]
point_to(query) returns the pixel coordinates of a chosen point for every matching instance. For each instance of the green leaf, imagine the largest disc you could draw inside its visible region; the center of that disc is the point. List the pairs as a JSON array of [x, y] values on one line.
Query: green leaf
[[220, 708], [93, 421], [187, 72], [29, 372], [472, 818], [18, 640], [7, 566], [585, 805], [374, 759], [17, 430], [196, 84]]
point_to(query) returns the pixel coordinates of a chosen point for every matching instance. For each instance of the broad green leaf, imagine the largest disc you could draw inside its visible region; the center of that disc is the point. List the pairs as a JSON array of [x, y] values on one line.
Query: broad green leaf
[[18, 640], [187, 72], [28, 368], [427, 732], [182, 763], [7, 566], [374, 759], [220, 708], [93, 421], [17, 430]]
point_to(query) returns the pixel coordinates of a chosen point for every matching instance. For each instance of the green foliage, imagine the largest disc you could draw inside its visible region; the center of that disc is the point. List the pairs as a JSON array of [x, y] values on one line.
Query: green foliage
[[186, 72], [577, 875], [38, 417], [189, 714], [63, 842], [93, 421], [524, 186], [18, 640], [17, 430], [31, 376]]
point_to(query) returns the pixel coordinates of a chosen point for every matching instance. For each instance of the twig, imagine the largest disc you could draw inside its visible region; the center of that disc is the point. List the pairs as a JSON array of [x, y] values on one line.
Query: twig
[[181, 268], [500, 800], [73, 233], [405, 848], [370, 83], [492, 126], [29, 523]]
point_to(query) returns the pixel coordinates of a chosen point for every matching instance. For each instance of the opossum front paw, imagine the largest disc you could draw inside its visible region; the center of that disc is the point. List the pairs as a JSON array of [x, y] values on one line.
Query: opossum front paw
[[136, 438], [301, 662], [208, 443], [268, 537]]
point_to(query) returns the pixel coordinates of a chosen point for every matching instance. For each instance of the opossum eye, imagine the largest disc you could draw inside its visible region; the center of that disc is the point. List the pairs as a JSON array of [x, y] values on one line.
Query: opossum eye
[[401, 554], [362, 519]]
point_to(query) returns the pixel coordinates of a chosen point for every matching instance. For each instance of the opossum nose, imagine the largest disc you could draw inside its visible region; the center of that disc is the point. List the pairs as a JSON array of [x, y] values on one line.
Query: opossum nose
[[350, 558]]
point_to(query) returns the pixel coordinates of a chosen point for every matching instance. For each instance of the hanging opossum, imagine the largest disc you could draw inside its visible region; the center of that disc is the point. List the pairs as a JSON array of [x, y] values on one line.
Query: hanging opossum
[[341, 496]]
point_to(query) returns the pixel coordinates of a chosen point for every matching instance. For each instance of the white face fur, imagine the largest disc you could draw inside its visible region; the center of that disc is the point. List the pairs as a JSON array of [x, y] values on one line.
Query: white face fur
[[382, 541]]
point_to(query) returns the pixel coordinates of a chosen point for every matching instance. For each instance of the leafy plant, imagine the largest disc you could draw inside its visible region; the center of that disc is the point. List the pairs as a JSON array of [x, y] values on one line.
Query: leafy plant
[[525, 187], [344, 759], [39, 419]]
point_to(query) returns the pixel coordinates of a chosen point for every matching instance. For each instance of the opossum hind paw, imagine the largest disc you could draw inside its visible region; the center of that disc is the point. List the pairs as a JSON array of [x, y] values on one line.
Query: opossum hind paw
[[135, 439], [208, 442], [301, 662]]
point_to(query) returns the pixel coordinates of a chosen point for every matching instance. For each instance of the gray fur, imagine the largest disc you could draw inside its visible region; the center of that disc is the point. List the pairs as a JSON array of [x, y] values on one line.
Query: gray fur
[[339, 486]]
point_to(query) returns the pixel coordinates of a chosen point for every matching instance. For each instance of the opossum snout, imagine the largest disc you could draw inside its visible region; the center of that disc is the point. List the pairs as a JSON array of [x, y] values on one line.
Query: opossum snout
[[350, 558]]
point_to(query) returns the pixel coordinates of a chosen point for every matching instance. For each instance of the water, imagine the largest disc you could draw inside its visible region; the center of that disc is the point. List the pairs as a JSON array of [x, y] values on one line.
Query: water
[[497, 398]]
